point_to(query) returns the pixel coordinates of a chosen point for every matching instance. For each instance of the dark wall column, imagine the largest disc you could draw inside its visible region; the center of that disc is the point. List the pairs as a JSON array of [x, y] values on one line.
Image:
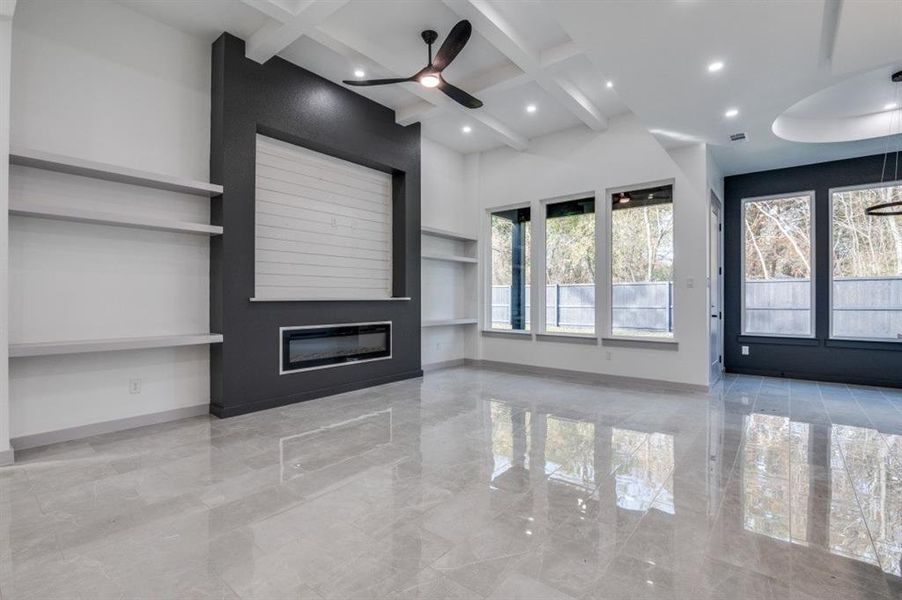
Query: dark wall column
[[283, 101]]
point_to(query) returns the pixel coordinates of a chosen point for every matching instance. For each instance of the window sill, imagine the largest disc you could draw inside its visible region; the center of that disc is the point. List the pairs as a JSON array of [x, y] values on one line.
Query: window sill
[[892, 345], [568, 338], [649, 344], [507, 333], [777, 340]]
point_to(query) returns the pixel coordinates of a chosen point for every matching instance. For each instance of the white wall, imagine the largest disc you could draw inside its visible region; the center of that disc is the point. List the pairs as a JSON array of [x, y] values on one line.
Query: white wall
[[576, 161], [444, 199], [448, 289], [6, 12], [99, 81]]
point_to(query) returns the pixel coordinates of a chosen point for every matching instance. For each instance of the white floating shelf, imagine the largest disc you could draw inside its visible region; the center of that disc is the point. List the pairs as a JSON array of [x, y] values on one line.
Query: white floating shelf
[[79, 215], [108, 172], [450, 258], [448, 322], [110, 345], [383, 299], [448, 235]]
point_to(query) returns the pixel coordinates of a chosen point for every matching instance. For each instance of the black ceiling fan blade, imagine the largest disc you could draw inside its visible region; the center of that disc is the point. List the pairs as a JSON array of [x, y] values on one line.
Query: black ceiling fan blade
[[453, 44], [365, 82], [459, 96]]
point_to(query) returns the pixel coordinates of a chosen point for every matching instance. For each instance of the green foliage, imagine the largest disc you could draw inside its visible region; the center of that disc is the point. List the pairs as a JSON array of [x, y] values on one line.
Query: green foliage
[[642, 244], [570, 249]]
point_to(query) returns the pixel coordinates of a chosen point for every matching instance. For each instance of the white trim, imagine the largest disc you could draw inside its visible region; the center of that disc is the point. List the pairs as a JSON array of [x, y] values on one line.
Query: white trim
[[449, 235], [391, 345], [449, 258], [811, 261], [607, 302], [26, 349], [393, 298], [78, 215], [448, 322], [830, 192], [69, 434], [443, 364], [28, 157], [487, 261]]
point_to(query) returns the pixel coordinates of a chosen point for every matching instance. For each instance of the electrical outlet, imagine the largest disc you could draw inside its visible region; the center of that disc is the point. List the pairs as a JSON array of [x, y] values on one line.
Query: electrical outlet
[[745, 350], [607, 355], [690, 282], [134, 386]]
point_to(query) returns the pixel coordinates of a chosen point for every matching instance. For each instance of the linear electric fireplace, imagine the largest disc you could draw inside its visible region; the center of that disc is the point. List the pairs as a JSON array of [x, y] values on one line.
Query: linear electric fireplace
[[321, 346]]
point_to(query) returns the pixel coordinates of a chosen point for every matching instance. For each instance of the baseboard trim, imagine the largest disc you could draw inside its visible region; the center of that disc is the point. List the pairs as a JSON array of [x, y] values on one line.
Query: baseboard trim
[[224, 412], [7, 457], [584, 376], [69, 434], [444, 364], [825, 377]]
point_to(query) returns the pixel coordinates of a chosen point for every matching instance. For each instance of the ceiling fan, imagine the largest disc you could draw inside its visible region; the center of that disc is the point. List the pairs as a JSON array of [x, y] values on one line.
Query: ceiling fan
[[430, 76]]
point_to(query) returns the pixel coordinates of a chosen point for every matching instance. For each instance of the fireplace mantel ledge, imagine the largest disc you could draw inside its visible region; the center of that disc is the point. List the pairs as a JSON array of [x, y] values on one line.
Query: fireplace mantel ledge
[[393, 299]]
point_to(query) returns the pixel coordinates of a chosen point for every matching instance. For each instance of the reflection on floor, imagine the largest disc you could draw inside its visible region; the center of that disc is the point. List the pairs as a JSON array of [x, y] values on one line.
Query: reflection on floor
[[475, 484]]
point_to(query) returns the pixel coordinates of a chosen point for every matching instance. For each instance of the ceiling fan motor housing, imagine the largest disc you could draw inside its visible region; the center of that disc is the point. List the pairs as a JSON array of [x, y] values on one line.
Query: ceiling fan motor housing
[[429, 36]]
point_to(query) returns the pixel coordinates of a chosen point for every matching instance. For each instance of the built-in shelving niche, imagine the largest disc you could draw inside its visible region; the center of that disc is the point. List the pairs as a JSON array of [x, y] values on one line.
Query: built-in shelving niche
[[449, 289], [79, 195]]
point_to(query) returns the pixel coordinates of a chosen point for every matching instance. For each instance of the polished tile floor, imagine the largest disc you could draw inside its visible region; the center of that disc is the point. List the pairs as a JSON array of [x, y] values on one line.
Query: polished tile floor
[[476, 484]]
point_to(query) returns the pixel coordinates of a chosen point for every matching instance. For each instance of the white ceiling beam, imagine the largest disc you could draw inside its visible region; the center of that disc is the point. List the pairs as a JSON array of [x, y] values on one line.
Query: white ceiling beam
[[274, 37], [493, 27], [356, 47], [551, 57], [270, 9]]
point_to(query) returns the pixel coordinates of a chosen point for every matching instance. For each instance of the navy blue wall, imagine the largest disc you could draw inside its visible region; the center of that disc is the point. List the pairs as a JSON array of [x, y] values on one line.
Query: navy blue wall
[[878, 363]]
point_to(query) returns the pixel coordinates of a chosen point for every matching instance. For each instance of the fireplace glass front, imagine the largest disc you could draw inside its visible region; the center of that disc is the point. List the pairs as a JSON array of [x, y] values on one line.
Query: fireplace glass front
[[320, 346]]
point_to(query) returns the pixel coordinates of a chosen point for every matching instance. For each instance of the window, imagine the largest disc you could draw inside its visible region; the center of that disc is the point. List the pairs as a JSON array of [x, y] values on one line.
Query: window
[[642, 263], [510, 270], [570, 266], [778, 254], [866, 290]]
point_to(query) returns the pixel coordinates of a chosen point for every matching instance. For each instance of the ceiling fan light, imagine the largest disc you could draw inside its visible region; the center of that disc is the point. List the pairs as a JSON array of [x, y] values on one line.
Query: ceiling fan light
[[430, 81]]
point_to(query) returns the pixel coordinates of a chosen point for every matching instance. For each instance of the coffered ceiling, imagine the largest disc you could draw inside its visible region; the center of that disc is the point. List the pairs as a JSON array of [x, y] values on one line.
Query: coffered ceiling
[[561, 55]]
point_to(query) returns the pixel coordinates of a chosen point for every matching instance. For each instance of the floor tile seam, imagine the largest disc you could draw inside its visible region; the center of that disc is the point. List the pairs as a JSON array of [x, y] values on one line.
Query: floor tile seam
[[896, 460], [735, 463], [619, 547], [851, 482]]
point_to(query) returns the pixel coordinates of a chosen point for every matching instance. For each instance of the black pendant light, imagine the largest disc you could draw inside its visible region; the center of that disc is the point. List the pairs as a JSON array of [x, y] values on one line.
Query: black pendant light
[[888, 209]]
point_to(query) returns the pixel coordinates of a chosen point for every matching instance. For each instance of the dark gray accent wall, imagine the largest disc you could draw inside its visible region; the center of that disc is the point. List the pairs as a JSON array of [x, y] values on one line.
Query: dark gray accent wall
[[283, 101], [868, 363]]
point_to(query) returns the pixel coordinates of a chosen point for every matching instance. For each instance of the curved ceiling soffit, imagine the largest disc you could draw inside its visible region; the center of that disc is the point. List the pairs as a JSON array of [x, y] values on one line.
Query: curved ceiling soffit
[[862, 107]]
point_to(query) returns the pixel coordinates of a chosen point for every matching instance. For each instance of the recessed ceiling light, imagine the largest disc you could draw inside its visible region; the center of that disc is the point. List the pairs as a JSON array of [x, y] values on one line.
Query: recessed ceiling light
[[530, 108], [715, 66], [466, 129], [890, 106], [609, 84], [731, 112], [359, 73]]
